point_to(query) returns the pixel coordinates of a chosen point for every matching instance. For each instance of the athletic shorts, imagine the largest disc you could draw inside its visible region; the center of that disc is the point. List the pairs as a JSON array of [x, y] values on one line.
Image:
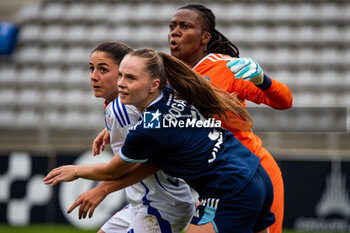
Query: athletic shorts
[[129, 220], [246, 212]]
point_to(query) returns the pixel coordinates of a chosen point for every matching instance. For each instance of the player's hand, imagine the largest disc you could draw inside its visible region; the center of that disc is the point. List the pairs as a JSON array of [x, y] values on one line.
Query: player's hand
[[61, 174], [88, 201], [247, 69], [100, 142]]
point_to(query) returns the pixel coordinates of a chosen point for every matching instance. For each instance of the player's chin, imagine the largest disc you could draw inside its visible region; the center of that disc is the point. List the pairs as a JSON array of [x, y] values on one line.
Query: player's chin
[[174, 52], [98, 94], [124, 99]]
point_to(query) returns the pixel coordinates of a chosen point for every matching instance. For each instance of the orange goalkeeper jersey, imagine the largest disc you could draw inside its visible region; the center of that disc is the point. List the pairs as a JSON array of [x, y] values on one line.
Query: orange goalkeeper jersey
[[271, 92]]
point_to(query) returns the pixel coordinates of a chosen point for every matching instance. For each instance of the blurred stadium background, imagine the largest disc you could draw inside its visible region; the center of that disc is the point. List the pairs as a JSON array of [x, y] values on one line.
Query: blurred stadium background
[[49, 117]]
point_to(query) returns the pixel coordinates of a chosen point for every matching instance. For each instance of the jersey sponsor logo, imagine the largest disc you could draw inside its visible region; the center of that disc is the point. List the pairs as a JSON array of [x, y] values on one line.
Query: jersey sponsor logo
[[152, 119], [215, 136]]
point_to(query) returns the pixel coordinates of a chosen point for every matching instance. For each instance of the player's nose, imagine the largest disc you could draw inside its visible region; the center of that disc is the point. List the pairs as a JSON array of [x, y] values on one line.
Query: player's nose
[[94, 76], [175, 32]]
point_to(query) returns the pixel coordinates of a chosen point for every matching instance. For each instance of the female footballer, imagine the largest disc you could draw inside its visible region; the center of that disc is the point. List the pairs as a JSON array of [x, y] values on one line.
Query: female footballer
[[235, 191]]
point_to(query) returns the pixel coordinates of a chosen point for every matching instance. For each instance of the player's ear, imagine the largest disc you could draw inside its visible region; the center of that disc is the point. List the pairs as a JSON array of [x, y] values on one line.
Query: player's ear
[[154, 85], [206, 36]]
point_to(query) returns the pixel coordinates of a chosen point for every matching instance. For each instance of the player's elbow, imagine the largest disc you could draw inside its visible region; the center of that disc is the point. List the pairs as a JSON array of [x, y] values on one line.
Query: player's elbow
[[289, 103], [284, 103], [285, 106]]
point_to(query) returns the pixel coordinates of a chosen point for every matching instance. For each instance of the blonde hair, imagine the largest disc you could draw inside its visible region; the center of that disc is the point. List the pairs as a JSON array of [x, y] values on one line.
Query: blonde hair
[[209, 99]]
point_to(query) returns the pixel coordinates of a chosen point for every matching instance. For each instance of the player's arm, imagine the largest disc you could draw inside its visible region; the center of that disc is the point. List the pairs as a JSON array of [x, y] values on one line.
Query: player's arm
[[89, 200], [100, 142], [260, 88], [103, 171]]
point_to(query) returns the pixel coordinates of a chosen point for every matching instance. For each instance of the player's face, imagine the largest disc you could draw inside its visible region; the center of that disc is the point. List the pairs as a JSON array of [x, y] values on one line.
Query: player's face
[[103, 76], [186, 39], [135, 85]]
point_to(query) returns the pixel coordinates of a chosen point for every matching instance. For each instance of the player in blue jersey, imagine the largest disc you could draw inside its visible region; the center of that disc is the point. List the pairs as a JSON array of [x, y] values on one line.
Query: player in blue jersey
[[180, 135], [158, 203]]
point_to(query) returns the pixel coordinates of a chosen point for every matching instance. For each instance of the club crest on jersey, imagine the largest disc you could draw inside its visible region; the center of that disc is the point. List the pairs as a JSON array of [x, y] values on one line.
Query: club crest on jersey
[[107, 119], [152, 119]]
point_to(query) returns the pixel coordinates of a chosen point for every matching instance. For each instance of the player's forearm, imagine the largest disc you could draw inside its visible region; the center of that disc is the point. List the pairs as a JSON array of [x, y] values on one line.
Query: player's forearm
[[104, 171], [96, 172], [279, 95], [136, 174], [109, 186]]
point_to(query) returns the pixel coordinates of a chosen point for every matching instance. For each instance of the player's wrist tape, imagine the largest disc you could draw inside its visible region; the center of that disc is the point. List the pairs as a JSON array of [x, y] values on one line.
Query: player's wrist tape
[[266, 83]]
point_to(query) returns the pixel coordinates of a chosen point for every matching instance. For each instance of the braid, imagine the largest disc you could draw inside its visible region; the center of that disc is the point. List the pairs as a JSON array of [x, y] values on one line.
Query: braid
[[218, 42]]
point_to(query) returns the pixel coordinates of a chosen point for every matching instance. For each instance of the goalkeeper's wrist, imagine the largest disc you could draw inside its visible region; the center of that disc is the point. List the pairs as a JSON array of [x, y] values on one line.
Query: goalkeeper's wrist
[[266, 83], [258, 80]]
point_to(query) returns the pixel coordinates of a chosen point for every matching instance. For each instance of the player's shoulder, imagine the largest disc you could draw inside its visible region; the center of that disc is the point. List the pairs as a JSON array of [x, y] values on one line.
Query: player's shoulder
[[215, 57], [212, 60], [125, 114]]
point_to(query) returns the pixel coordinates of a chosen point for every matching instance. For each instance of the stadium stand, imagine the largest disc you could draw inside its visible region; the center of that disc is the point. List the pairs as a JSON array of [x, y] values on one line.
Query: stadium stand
[[305, 44]]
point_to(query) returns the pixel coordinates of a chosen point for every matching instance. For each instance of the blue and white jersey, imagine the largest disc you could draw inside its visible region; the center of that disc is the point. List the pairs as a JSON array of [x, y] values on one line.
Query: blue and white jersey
[[185, 144], [118, 119], [159, 194]]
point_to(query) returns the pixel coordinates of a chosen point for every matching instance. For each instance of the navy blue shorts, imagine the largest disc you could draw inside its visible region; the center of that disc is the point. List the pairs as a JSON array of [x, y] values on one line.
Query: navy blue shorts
[[247, 212]]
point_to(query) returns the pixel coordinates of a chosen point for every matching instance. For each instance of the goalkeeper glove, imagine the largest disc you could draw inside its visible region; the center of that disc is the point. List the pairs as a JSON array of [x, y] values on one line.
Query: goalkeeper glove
[[247, 69]]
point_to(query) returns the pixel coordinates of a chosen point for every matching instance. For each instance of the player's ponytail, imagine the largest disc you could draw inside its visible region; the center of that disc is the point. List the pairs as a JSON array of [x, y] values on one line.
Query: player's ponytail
[[190, 86], [218, 42], [197, 91]]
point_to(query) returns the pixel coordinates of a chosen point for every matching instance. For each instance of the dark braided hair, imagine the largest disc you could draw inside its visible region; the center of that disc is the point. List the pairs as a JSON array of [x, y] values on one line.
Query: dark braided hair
[[218, 42]]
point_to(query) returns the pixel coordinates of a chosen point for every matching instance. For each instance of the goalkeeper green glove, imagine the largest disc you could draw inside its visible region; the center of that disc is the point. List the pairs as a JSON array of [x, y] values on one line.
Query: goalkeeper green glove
[[247, 69]]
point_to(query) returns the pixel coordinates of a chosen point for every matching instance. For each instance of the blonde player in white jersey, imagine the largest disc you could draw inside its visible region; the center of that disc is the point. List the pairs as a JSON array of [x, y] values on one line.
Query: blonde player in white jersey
[[159, 203]]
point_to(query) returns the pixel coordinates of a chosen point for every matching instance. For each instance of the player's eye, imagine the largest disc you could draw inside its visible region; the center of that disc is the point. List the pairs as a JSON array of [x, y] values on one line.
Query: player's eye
[[91, 68], [103, 70]]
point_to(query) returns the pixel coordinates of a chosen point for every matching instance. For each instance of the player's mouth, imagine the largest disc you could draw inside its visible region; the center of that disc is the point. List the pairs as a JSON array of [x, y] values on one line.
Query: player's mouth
[[173, 45], [123, 94]]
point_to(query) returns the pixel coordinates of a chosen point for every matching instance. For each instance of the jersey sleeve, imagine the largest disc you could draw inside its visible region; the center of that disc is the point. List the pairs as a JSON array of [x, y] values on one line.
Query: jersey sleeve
[[138, 147], [272, 93], [119, 118]]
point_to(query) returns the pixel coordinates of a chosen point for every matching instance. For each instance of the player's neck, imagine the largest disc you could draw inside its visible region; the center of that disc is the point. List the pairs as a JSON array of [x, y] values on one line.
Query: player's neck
[[149, 100]]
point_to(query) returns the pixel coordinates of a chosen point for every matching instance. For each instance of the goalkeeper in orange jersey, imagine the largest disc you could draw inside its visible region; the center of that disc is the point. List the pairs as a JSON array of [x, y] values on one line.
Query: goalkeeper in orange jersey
[[194, 39]]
